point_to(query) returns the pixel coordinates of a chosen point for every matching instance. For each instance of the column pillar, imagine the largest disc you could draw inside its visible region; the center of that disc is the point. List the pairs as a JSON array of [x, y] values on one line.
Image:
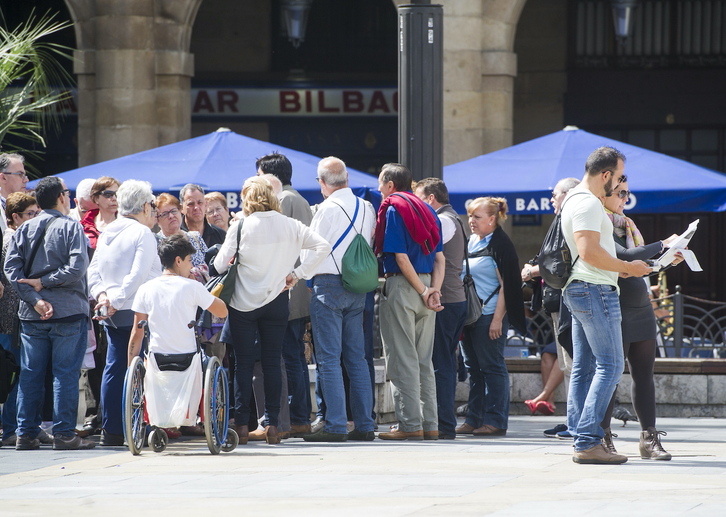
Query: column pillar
[[134, 74]]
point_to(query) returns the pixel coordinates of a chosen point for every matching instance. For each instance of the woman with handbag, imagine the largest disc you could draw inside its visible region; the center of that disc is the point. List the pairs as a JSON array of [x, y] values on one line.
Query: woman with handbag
[[265, 248], [495, 268]]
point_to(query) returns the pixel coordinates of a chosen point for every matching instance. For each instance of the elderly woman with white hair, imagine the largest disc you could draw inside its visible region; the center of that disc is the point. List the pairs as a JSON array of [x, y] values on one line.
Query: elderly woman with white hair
[[125, 258]]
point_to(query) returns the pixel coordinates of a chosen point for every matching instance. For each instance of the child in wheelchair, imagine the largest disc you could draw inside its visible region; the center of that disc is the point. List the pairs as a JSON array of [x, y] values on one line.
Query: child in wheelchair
[[174, 376]]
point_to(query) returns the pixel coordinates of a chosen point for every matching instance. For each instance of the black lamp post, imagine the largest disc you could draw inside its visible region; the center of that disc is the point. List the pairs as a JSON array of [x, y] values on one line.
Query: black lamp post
[[295, 15], [420, 88]]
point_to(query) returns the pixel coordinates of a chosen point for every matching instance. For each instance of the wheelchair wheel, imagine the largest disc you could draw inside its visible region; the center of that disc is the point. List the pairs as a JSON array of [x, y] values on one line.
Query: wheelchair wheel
[[232, 441], [158, 439], [216, 405], [133, 406]]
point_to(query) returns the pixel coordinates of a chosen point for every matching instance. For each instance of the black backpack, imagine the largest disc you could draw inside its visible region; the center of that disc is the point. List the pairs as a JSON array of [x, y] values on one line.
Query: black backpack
[[554, 259], [9, 374]]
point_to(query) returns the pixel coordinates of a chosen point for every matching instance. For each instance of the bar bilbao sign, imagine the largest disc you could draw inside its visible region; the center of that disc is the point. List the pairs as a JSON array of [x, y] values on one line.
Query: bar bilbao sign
[[267, 102]]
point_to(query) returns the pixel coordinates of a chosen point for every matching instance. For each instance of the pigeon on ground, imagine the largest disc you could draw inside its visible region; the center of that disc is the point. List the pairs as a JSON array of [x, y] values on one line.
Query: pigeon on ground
[[620, 413]]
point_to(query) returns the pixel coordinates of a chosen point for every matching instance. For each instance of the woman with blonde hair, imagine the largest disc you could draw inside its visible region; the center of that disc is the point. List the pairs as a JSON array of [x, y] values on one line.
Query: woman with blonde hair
[[267, 244], [494, 265]]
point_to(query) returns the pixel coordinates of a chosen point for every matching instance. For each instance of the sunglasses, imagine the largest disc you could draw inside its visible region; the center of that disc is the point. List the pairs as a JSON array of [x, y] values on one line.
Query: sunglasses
[[108, 194], [152, 204], [624, 194], [621, 179]]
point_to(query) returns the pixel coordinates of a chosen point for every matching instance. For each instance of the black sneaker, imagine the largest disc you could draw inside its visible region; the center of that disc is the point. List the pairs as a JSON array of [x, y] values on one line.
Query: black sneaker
[[361, 436], [26, 443], [325, 436], [111, 440], [552, 433], [71, 443]]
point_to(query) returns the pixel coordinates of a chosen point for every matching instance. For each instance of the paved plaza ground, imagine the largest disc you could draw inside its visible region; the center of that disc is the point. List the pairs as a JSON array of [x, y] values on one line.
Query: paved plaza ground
[[522, 474]]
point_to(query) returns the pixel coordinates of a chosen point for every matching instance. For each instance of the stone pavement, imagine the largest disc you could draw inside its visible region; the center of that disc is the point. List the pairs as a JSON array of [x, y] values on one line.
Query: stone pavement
[[522, 474]]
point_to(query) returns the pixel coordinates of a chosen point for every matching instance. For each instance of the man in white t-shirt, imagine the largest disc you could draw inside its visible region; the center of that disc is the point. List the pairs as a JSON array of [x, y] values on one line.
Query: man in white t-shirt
[[591, 294], [169, 302]]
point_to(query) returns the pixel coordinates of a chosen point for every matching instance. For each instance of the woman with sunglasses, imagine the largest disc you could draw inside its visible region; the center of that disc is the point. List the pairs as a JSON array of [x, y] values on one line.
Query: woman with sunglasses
[[19, 207], [103, 193], [638, 325], [125, 258]]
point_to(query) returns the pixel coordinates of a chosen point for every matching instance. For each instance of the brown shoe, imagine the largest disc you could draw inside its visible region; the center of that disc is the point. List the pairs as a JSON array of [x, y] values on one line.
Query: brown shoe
[[243, 433], [431, 435], [607, 441], [489, 430], [650, 447], [298, 430], [598, 455], [258, 435], [465, 429], [402, 435], [272, 437]]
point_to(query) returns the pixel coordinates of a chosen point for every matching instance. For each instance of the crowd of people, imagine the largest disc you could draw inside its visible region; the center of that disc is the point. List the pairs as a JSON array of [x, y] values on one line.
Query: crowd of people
[[77, 280]]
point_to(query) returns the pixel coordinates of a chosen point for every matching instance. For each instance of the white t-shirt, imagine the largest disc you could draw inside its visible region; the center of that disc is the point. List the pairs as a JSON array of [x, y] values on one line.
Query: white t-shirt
[[585, 212], [171, 303]]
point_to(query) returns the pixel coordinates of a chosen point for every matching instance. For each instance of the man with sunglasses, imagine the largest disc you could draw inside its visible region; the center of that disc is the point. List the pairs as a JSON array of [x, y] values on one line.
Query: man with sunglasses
[[12, 179], [591, 294]]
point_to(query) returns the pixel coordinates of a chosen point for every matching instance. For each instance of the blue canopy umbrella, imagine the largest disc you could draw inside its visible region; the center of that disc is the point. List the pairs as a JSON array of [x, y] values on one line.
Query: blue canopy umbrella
[[525, 175], [219, 161]]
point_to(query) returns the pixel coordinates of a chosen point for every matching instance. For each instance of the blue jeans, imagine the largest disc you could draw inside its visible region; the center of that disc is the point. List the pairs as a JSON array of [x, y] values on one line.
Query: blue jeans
[[298, 378], [488, 375], [449, 324], [62, 345], [598, 360], [337, 318], [112, 383], [10, 407]]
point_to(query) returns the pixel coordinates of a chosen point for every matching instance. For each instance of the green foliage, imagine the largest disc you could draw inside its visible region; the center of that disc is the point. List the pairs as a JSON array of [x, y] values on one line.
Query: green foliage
[[31, 81]]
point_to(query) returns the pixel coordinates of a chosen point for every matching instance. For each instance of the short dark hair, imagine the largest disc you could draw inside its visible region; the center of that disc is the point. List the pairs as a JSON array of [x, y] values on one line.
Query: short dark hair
[[276, 164], [398, 174], [47, 191], [435, 186], [178, 245], [603, 159]]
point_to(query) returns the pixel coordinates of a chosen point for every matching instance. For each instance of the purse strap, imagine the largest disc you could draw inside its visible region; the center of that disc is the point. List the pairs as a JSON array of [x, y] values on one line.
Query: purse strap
[[478, 254], [239, 236], [355, 215]]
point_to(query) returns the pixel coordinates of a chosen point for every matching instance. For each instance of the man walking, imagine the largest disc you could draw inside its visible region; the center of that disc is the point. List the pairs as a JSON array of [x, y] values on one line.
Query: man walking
[[591, 294], [293, 348], [408, 234], [450, 321], [337, 314], [46, 263]]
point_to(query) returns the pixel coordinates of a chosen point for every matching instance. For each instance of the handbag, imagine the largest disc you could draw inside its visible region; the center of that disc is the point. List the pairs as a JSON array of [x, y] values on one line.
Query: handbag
[[473, 302], [222, 286]]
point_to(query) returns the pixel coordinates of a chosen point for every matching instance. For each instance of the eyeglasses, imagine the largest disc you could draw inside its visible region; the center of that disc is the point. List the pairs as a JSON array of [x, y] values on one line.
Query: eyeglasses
[[30, 213], [621, 179], [556, 194], [22, 174], [624, 194], [164, 215], [214, 211], [66, 191], [108, 194]]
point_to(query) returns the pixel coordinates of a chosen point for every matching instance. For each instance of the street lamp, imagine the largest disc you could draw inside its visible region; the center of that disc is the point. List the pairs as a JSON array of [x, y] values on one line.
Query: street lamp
[[295, 14], [623, 18]]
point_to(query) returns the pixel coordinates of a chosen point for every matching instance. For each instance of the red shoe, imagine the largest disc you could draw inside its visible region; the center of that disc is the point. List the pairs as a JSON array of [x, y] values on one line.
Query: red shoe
[[532, 405], [172, 432], [545, 408]]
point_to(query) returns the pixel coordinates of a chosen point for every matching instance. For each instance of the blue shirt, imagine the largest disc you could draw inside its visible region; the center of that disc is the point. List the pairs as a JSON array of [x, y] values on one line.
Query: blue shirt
[[398, 240], [484, 273]]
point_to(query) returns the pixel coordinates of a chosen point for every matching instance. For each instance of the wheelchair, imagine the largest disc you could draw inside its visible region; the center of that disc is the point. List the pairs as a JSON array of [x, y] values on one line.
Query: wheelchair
[[215, 410]]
